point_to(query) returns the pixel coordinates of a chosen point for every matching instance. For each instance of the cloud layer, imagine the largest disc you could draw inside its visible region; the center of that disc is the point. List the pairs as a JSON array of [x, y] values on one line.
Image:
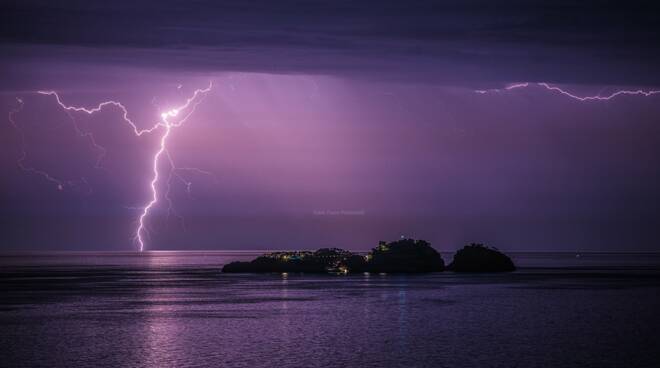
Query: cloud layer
[[468, 43]]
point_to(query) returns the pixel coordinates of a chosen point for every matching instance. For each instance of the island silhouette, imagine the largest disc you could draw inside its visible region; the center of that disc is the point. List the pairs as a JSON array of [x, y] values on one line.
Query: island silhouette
[[400, 256]]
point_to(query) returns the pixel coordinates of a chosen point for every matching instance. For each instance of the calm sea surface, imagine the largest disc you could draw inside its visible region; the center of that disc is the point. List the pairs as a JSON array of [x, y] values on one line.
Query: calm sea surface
[[175, 309]]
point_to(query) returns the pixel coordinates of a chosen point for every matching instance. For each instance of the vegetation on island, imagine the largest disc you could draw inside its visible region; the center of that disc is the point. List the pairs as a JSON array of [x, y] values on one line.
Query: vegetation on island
[[401, 256], [406, 256]]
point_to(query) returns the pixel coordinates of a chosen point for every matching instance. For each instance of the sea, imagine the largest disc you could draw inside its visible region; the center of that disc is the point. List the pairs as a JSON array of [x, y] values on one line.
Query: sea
[[176, 309]]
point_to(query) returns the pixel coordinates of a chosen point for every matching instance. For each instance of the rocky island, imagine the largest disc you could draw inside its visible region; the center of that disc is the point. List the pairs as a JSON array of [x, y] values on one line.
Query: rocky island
[[401, 256], [405, 256], [479, 258]]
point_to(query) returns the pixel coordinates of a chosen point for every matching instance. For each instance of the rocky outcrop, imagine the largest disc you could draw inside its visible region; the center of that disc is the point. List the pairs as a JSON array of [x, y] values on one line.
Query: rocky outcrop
[[479, 258]]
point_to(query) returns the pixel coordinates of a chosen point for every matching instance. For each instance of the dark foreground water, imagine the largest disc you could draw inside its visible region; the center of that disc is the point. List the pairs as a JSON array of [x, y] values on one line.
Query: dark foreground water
[[175, 309]]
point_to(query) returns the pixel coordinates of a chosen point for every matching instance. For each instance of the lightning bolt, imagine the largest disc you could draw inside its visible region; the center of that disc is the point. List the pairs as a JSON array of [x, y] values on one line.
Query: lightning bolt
[[169, 120], [141, 231], [639, 92]]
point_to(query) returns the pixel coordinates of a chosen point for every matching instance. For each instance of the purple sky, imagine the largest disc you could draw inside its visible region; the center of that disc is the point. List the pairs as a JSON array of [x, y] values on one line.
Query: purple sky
[[333, 125]]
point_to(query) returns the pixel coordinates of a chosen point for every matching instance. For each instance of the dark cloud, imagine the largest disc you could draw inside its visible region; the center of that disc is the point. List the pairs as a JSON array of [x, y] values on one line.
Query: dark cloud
[[453, 42]]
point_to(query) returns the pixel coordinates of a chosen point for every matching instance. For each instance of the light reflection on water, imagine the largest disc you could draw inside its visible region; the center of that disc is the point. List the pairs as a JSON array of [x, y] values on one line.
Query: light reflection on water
[[162, 310]]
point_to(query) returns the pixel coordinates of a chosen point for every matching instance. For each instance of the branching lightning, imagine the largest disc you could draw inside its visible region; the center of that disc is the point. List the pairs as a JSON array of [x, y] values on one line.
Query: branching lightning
[[23, 154], [190, 104], [561, 91], [169, 120]]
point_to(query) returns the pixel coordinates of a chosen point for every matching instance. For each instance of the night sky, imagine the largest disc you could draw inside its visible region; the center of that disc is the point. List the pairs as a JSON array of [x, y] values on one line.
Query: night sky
[[332, 124]]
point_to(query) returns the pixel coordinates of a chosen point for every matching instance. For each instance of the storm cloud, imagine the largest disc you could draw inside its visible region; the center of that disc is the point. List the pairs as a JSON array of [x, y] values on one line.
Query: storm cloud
[[461, 43]]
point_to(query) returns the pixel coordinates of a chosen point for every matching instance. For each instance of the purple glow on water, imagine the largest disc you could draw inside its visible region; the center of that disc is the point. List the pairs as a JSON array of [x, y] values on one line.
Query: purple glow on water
[[177, 309]]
